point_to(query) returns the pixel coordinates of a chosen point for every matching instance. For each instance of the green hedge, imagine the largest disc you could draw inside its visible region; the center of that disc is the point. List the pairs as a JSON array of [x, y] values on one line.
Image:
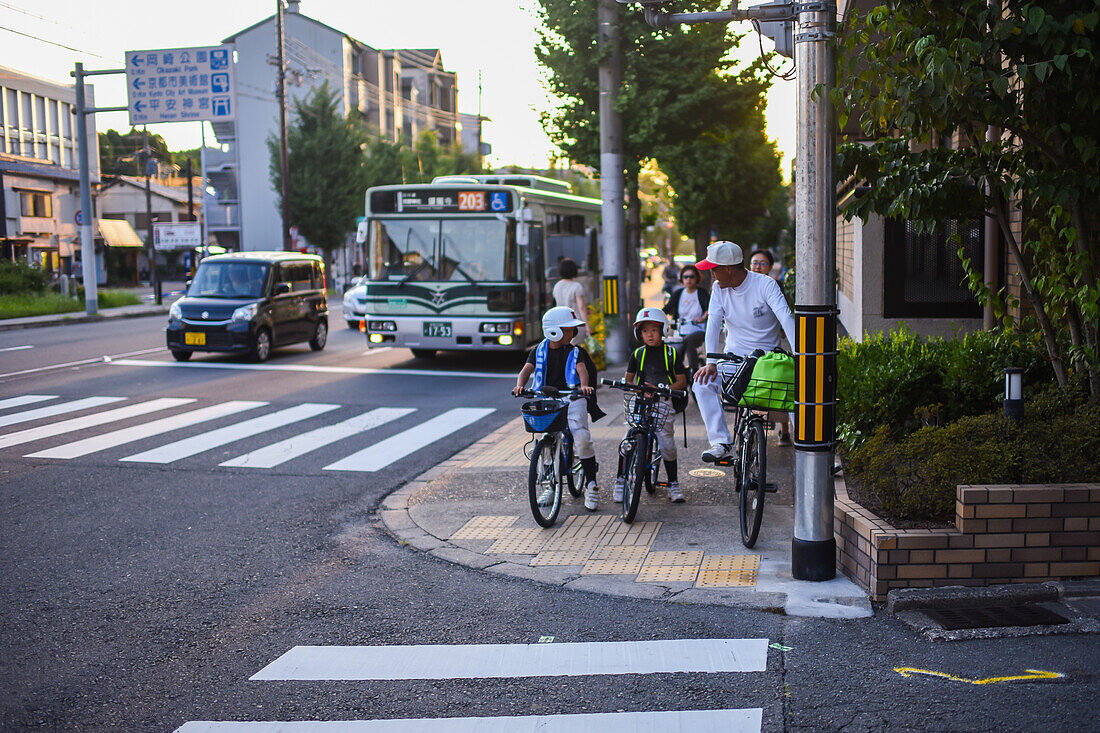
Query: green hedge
[[20, 305], [900, 382], [19, 277], [914, 479]]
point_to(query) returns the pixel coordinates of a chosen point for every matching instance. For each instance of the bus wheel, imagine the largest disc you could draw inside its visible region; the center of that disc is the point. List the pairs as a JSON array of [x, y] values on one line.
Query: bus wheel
[[423, 353]]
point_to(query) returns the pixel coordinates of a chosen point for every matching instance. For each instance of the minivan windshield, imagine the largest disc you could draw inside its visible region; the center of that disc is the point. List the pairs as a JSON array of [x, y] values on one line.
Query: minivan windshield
[[229, 280]]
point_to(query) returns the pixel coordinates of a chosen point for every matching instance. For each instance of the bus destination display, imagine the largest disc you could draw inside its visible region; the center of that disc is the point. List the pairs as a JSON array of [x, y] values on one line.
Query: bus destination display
[[446, 201]]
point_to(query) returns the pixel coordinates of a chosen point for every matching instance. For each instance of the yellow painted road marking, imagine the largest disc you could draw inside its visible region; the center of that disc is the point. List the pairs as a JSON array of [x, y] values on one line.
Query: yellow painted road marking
[[1032, 674]]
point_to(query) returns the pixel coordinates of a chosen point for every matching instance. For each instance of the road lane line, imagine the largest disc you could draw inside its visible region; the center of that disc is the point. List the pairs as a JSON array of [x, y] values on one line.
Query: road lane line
[[283, 451], [222, 436], [396, 447], [747, 720], [27, 399], [146, 430], [479, 661], [82, 362], [16, 348], [303, 368], [90, 421], [41, 412]]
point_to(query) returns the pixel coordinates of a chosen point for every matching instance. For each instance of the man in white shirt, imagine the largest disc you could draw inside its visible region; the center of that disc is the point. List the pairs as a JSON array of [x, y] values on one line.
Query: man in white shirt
[[754, 310]]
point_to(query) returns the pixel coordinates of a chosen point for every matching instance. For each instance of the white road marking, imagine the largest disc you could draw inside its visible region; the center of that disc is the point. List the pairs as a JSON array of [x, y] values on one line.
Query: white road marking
[[396, 447], [41, 412], [90, 421], [238, 431], [477, 661], [146, 430], [82, 362], [281, 452], [661, 721], [379, 350], [303, 368], [27, 399], [16, 348]]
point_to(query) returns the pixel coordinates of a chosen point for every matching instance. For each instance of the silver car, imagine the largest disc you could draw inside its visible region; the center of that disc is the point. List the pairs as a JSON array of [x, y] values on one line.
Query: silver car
[[355, 302]]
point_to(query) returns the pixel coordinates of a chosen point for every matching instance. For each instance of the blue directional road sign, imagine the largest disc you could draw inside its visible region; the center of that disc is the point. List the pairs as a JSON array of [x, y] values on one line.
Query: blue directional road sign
[[181, 85]]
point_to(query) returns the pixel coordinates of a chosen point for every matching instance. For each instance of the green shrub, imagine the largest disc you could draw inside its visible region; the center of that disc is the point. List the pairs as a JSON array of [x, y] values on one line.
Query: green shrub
[[21, 305], [115, 298], [19, 277], [900, 382], [914, 479]]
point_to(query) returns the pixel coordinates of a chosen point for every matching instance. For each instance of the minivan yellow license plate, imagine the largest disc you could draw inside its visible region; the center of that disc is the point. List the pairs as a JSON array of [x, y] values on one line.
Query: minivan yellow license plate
[[194, 339]]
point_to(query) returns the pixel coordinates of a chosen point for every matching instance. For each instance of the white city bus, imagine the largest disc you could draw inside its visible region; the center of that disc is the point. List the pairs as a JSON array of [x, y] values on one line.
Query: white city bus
[[469, 262]]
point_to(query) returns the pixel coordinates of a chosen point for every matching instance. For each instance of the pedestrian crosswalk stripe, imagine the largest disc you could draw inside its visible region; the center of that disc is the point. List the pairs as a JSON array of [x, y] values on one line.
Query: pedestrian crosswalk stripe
[[27, 399], [90, 421], [283, 451], [469, 661], [696, 721], [396, 447], [238, 431], [41, 412], [146, 430], [309, 368]]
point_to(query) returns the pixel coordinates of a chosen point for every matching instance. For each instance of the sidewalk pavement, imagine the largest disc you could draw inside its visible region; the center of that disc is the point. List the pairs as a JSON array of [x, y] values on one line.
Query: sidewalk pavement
[[170, 291], [473, 510]]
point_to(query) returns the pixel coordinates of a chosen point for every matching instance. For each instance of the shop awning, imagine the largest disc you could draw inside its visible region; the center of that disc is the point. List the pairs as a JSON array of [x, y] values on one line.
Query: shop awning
[[119, 233]]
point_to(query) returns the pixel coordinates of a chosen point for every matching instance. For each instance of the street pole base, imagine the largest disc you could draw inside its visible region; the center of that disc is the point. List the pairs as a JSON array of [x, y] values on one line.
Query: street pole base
[[813, 559]]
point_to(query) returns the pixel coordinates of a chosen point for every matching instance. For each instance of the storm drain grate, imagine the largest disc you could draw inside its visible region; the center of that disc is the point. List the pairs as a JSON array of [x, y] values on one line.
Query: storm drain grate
[[985, 617]]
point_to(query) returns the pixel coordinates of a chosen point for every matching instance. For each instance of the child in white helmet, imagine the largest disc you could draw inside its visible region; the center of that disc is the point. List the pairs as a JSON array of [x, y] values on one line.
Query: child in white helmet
[[557, 363], [655, 363]]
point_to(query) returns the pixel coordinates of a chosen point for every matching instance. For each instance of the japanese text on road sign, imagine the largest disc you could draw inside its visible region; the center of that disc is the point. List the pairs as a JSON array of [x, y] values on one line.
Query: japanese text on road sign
[[181, 85]]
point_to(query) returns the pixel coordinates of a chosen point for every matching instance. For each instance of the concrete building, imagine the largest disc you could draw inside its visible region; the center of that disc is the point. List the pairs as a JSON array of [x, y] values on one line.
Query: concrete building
[[39, 191], [396, 91], [123, 199]]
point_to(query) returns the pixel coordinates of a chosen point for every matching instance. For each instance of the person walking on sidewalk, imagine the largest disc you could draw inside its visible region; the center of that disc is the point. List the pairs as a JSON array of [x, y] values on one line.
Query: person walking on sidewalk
[[557, 363], [654, 363], [754, 310]]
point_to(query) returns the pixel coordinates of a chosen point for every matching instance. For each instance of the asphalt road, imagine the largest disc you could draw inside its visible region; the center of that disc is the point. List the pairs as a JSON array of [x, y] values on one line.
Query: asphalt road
[[139, 596]]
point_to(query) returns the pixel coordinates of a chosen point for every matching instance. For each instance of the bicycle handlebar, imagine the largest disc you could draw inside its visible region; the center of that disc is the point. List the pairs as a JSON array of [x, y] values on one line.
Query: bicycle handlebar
[[726, 357], [573, 394], [661, 390]]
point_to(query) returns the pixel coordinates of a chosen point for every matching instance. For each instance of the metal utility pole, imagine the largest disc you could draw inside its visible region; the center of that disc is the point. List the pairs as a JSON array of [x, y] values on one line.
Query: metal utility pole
[[813, 552], [88, 268], [280, 94], [150, 246], [613, 254]]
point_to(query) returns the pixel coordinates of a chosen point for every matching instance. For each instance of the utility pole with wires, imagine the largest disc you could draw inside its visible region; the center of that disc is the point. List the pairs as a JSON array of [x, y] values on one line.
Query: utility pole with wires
[[280, 94]]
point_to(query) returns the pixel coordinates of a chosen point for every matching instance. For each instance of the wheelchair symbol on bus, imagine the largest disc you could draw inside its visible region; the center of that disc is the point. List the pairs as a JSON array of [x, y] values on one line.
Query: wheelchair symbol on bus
[[498, 201]]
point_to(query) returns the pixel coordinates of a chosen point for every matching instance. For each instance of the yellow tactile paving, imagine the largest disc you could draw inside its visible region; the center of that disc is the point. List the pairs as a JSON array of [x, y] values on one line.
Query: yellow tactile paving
[[675, 557], [578, 525], [667, 574], [626, 552], [488, 527], [726, 579], [639, 533], [730, 562], [521, 541], [612, 567], [507, 452], [559, 557]]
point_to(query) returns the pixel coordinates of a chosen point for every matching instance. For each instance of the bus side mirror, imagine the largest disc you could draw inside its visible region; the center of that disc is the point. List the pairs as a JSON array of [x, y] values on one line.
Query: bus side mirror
[[523, 233], [361, 233]]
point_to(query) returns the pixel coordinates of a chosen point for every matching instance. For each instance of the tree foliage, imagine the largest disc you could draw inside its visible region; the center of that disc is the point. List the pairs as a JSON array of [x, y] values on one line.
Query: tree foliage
[[327, 177], [971, 107], [122, 154], [389, 162], [681, 100]]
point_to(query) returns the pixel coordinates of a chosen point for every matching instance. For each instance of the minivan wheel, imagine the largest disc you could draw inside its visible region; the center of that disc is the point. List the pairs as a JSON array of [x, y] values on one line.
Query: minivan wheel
[[320, 336], [261, 345], [423, 353], [180, 355]]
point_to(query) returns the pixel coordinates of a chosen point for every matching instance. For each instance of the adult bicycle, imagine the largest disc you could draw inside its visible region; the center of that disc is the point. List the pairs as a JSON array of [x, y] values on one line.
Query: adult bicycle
[[645, 409], [553, 461], [750, 449]]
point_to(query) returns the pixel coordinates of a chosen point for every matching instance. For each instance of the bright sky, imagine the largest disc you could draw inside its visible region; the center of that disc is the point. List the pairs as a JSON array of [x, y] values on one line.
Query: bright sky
[[493, 37]]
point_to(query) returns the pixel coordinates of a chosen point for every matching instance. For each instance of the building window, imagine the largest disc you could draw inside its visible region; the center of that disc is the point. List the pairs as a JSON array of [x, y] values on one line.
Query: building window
[[34, 203], [922, 274]]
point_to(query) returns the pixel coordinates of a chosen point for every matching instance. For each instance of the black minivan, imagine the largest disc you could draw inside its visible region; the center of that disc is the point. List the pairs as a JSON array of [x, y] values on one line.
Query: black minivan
[[250, 302]]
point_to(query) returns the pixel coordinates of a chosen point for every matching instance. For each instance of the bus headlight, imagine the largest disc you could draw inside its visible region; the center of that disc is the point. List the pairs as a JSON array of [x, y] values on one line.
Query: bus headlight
[[495, 327], [375, 338], [383, 326], [505, 340]]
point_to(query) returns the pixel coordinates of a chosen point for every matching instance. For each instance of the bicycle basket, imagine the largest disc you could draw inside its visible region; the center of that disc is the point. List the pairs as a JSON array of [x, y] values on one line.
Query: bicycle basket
[[635, 409], [767, 394], [545, 416], [735, 380]]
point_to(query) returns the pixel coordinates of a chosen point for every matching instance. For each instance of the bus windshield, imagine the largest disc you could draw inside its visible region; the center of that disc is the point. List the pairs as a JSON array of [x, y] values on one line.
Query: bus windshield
[[440, 250]]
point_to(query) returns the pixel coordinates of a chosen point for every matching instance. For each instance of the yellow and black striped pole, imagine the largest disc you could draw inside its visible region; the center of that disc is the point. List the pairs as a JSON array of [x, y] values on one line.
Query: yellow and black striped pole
[[611, 296], [815, 377]]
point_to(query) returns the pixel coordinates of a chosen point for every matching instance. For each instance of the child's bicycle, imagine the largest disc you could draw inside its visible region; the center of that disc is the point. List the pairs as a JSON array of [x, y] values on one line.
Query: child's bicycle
[[553, 463], [646, 409], [750, 457]]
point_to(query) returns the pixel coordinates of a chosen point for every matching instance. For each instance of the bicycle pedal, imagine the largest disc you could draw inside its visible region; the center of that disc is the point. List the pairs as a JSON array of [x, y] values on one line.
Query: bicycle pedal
[[725, 462], [771, 487], [662, 484]]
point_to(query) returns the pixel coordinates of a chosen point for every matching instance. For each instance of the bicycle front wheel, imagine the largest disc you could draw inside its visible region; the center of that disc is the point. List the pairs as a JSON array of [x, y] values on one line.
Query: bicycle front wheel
[[653, 467], [754, 465], [543, 486], [635, 478], [572, 470]]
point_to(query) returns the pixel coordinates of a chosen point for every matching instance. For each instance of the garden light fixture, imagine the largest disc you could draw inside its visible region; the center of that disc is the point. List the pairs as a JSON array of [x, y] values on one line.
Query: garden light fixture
[[1014, 394]]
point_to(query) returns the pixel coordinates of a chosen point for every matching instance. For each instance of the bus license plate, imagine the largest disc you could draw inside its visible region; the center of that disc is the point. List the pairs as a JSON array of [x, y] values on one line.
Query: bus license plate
[[194, 339], [437, 330]]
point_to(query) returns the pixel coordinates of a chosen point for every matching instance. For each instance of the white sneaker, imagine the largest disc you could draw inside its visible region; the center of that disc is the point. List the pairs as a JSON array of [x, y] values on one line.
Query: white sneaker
[[591, 496], [620, 484], [717, 452], [546, 498], [674, 492]]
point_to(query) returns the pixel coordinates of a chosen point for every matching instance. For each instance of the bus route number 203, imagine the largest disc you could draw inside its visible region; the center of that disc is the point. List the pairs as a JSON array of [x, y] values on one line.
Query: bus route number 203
[[471, 201]]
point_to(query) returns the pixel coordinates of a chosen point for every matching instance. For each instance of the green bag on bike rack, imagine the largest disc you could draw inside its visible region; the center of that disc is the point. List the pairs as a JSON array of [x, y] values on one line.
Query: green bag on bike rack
[[771, 386]]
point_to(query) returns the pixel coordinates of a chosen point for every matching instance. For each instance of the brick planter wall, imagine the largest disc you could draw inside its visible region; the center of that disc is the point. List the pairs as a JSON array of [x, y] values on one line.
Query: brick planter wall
[[1002, 534]]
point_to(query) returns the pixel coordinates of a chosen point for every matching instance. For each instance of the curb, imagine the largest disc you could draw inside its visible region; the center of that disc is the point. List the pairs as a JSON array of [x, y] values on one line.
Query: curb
[[956, 596], [64, 320]]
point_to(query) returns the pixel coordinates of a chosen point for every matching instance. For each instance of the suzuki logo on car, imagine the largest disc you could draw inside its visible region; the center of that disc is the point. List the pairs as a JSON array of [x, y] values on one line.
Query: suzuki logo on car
[[206, 314]]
